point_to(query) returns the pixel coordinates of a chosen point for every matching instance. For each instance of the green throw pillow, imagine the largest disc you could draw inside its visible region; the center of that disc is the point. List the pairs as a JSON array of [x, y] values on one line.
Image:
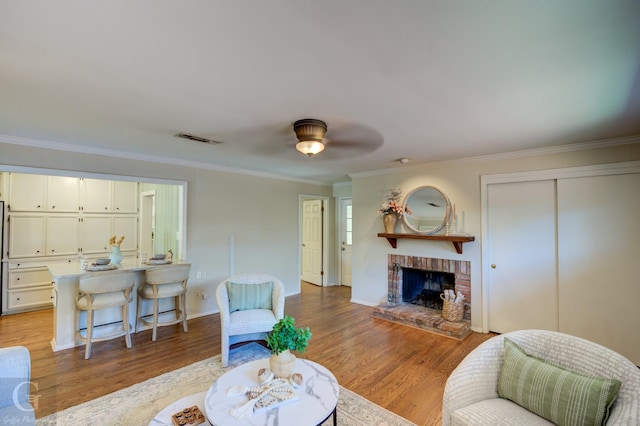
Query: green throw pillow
[[560, 396], [249, 296]]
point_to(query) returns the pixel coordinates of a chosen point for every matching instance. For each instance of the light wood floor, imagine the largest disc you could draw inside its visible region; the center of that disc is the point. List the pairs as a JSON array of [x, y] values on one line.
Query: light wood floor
[[398, 367]]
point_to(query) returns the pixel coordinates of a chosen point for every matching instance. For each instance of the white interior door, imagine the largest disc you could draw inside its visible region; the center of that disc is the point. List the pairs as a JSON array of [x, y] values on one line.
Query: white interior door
[[312, 241], [598, 220], [346, 235], [523, 289]]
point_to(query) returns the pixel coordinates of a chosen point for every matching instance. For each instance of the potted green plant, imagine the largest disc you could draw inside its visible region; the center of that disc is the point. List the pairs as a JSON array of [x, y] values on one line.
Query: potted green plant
[[284, 338]]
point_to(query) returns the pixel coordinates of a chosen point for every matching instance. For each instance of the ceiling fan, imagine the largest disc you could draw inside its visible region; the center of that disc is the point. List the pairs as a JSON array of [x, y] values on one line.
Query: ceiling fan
[[342, 140]]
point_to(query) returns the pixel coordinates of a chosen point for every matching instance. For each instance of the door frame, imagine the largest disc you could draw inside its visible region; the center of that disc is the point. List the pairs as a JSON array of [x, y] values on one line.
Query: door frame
[[340, 228], [144, 195], [325, 234], [562, 173]]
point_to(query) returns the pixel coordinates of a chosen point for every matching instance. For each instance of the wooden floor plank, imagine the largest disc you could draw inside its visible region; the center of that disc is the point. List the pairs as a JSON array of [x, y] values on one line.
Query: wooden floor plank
[[400, 368]]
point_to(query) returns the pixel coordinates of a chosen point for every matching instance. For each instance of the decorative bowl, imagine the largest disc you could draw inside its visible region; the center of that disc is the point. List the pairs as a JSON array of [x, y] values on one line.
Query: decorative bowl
[[103, 261], [158, 257]]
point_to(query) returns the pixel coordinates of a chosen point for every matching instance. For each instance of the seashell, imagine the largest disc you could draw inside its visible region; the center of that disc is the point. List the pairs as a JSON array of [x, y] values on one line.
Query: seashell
[[265, 375], [296, 380]]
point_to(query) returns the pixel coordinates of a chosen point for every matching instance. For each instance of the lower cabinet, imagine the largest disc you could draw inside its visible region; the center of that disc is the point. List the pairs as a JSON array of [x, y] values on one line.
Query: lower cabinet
[[29, 288]]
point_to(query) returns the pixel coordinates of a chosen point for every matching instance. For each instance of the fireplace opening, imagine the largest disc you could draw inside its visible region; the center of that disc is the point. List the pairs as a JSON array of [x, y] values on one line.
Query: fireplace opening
[[423, 288]]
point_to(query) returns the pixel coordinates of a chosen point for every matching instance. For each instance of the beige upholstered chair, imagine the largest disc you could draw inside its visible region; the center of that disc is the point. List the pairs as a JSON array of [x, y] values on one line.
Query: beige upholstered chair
[[161, 282], [15, 383], [470, 395], [103, 290], [247, 324]]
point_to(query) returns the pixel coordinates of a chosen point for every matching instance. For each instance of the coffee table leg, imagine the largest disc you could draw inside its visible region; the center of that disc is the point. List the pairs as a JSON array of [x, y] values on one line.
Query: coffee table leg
[[335, 416]]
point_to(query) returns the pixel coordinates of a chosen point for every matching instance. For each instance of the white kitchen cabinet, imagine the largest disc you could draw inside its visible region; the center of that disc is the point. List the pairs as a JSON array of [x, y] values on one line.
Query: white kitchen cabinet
[[54, 218], [26, 235], [103, 196], [29, 277], [62, 194], [34, 235], [30, 298], [38, 193], [27, 192], [96, 231], [96, 195], [61, 235], [125, 197], [29, 288], [126, 226]]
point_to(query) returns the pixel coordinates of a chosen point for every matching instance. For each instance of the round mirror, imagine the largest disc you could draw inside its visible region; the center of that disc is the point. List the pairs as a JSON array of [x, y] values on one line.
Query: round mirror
[[429, 210]]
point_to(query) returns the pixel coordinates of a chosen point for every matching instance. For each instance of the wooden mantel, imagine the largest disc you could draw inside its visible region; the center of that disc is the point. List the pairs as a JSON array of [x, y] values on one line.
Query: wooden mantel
[[456, 240]]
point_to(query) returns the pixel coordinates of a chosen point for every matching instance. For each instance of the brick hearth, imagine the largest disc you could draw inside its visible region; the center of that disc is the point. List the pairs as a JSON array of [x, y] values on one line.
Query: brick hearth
[[417, 316]]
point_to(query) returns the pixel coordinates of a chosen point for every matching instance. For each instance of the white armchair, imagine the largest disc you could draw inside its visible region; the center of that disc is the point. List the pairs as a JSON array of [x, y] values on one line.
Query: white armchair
[[15, 382], [247, 324], [471, 397]]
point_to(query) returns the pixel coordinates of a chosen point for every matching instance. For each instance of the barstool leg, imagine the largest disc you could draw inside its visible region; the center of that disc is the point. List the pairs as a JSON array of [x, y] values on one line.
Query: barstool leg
[[125, 324], [155, 319], [87, 349], [138, 311], [183, 300]]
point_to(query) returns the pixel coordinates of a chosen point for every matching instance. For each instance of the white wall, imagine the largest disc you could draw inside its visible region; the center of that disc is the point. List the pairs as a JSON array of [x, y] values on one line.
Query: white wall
[[460, 180], [260, 213]]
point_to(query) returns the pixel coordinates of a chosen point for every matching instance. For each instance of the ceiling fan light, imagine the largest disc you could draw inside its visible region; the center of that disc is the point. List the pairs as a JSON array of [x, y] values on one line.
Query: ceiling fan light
[[310, 133], [310, 148]]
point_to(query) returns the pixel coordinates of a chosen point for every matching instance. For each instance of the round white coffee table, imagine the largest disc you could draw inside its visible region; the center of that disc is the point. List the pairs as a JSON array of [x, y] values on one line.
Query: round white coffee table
[[316, 402]]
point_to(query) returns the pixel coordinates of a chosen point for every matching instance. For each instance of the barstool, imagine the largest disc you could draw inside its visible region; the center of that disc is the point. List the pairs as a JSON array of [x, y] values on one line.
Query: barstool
[[104, 290], [161, 282]]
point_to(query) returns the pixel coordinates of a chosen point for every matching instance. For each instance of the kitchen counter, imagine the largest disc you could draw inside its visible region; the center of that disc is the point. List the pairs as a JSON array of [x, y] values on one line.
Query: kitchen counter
[[66, 319]]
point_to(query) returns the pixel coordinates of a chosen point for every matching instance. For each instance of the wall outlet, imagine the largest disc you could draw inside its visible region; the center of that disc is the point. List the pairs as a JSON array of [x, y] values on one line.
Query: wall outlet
[[199, 275], [205, 296]]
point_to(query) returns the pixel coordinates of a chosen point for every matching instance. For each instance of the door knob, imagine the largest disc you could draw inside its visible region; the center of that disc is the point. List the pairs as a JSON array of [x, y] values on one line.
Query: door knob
[[493, 266], [343, 249]]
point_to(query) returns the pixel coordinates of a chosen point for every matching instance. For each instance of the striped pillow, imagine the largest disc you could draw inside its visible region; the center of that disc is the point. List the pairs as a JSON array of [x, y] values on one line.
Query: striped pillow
[[558, 395], [243, 297]]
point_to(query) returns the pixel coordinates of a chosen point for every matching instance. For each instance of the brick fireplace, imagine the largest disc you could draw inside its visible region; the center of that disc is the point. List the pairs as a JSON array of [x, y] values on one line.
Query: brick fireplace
[[430, 319]]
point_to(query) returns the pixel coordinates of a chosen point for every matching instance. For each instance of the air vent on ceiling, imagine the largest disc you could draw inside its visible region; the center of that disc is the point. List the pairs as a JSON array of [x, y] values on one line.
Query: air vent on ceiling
[[198, 138]]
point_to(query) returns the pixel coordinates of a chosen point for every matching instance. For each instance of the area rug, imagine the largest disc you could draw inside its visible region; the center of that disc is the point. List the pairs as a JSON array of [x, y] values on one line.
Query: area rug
[[138, 404]]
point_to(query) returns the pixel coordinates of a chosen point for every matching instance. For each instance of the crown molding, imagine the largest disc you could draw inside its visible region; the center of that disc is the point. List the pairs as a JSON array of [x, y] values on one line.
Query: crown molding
[[82, 149], [603, 143]]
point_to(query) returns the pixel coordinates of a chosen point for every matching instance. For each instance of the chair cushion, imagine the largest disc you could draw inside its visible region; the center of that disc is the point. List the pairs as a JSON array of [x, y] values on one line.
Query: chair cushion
[[495, 412], [249, 296], [103, 300], [164, 290], [558, 395], [251, 321]]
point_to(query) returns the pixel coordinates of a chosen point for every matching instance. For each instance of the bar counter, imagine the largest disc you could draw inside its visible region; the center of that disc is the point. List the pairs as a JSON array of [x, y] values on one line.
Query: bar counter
[[65, 288]]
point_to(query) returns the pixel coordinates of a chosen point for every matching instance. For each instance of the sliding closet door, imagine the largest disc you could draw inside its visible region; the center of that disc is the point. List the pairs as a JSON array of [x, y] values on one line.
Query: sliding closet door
[[522, 254], [599, 260]]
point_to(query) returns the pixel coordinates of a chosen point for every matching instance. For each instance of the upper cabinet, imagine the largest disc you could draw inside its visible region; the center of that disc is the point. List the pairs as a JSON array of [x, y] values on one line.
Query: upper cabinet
[[62, 194], [38, 193], [125, 197], [103, 196], [27, 192]]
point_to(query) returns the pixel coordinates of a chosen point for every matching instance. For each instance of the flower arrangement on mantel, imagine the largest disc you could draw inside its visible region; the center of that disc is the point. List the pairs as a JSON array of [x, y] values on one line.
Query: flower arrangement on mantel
[[393, 206], [391, 210]]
